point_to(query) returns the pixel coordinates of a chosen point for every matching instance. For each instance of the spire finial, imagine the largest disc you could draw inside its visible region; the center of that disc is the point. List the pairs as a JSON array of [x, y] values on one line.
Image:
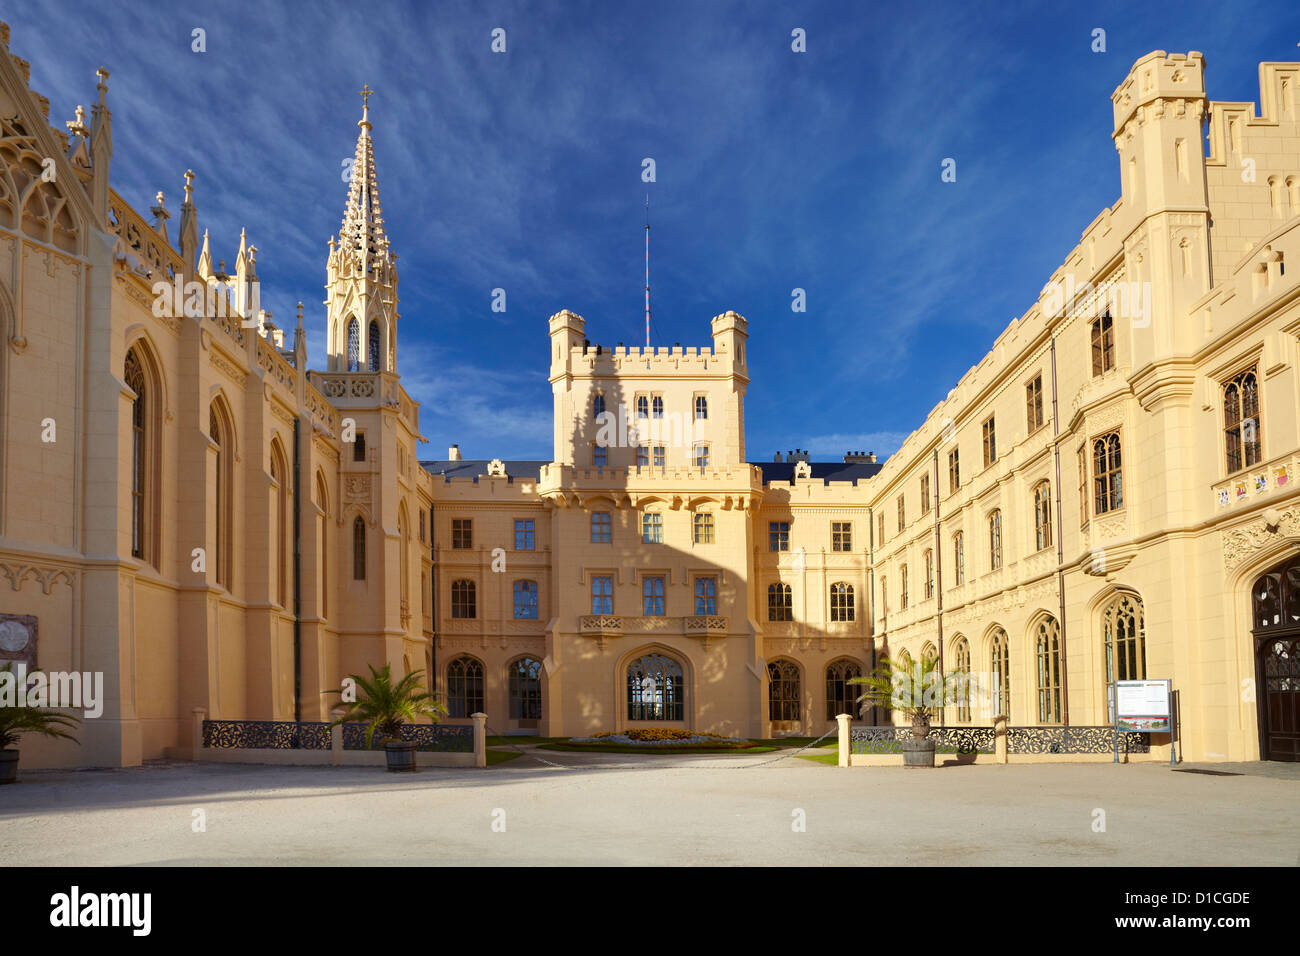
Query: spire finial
[[189, 187], [365, 93]]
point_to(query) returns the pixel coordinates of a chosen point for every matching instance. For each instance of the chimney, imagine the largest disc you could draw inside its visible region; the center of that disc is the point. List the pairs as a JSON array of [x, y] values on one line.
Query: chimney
[[777, 456], [871, 457], [453, 453]]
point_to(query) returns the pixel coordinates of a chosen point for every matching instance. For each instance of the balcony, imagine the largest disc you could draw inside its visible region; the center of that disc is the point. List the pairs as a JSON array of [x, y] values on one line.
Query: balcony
[[600, 626]]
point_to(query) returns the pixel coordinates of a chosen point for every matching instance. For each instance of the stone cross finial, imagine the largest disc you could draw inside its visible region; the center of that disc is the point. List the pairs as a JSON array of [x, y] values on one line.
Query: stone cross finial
[[189, 187], [77, 126], [365, 93]]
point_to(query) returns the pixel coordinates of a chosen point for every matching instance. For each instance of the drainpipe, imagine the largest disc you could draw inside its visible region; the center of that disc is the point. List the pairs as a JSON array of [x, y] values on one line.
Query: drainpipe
[[297, 579], [1060, 548], [431, 678], [871, 582], [938, 578]]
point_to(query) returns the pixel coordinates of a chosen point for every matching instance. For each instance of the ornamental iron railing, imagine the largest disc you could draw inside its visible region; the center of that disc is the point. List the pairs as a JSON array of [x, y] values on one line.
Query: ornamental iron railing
[[1020, 740], [315, 735]]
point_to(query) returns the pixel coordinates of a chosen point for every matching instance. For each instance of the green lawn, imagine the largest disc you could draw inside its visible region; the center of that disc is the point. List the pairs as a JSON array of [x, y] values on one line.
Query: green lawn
[[656, 749], [831, 759]]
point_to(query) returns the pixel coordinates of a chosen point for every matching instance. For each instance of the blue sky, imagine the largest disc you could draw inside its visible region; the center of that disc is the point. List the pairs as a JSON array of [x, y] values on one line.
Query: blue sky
[[775, 170]]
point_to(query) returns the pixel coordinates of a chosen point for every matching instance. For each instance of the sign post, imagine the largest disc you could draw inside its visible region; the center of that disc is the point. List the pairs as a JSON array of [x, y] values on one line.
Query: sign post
[[1144, 705]]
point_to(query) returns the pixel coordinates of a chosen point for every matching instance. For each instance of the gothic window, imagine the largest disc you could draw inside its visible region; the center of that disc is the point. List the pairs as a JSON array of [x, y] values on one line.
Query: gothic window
[[598, 405], [1042, 515], [221, 435], [783, 692], [780, 605], [657, 406], [959, 558], [654, 689], [642, 406], [279, 524], [1276, 598], [1241, 421], [1048, 644], [1124, 636], [1107, 474], [525, 600], [903, 588], [464, 687], [526, 689], [464, 599], [929, 574], [701, 406], [372, 346], [841, 695], [961, 647], [359, 549], [354, 346], [1000, 673], [842, 604], [140, 456], [322, 542], [902, 513]]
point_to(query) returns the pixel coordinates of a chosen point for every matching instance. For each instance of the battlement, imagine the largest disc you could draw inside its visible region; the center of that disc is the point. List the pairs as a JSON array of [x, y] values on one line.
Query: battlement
[[1158, 76]]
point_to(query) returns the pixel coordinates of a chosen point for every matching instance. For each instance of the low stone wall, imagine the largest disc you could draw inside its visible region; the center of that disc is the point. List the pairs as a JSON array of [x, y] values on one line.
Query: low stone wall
[[285, 743]]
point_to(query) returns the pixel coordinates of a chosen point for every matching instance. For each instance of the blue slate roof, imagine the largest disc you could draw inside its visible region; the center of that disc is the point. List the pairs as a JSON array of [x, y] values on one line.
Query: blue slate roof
[[474, 467]]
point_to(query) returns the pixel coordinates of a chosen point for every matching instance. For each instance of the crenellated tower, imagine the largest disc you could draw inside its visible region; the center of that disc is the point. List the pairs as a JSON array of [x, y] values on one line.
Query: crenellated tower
[[361, 290]]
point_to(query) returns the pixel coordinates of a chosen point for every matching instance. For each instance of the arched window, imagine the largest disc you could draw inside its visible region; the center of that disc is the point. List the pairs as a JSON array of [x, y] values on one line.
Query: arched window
[[657, 406], [654, 689], [1124, 635], [929, 652], [1107, 475], [780, 606], [841, 696], [354, 346], [1241, 421], [598, 405], [140, 457], [1000, 673], [280, 524], [322, 541], [842, 603], [961, 651], [783, 694], [525, 600], [642, 406], [220, 433], [526, 689], [464, 599], [372, 346], [1047, 641], [1275, 599], [701, 406], [959, 557], [464, 687], [403, 564], [359, 549], [995, 540]]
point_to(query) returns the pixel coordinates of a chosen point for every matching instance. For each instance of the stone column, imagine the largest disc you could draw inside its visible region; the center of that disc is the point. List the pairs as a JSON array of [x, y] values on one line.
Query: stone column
[[843, 720], [1000, 739], [480, 739]]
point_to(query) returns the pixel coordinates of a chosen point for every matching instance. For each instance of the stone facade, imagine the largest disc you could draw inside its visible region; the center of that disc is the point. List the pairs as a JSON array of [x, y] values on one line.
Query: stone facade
[[160, 449]]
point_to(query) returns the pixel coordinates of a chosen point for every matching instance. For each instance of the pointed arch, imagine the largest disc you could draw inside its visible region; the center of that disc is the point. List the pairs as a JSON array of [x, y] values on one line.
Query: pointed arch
[[358, 548], [403, 561], [221, 433], [669, 695], [524, 684], [374, 346], [961, 655], [841, 695], [353, 357], [322, 543], [464, 686], [784, 691], [280, 517], [142, 374], [1045, 632]]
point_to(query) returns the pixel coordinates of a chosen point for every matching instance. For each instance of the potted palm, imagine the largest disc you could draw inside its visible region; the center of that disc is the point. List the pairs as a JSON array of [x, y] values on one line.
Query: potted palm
[[17, 720], [384, 707], [917, 689]]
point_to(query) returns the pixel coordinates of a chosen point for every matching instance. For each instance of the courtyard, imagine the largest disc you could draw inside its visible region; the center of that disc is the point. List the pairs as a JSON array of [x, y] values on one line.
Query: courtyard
[[614, 809]]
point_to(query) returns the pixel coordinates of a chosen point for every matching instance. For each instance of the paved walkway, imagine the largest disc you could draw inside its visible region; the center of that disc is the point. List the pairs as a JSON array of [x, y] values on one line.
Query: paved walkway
[[630, 809]]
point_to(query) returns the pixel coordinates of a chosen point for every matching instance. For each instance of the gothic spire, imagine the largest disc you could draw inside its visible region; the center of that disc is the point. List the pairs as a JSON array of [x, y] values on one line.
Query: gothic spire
[[362, 233]]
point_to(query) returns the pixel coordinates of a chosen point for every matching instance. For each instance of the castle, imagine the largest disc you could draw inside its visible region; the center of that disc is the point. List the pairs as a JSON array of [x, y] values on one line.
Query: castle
[[1110, 493]]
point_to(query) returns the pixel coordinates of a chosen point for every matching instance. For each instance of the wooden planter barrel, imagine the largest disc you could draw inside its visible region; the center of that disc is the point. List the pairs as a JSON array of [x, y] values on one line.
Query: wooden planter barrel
[[918, 753], [8, 766], [401, 755]]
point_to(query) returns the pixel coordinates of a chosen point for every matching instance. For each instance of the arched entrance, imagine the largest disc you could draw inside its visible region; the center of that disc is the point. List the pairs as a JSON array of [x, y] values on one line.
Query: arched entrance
[[1275, 624]]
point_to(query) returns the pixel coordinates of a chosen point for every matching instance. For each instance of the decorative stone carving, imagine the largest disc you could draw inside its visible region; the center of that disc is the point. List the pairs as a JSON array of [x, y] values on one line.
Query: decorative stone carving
[[18, 634], [1240, 543], [357, 486]]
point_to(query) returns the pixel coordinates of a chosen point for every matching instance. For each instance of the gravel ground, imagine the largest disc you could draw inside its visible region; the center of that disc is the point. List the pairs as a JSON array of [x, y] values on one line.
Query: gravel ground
[[635, 809]]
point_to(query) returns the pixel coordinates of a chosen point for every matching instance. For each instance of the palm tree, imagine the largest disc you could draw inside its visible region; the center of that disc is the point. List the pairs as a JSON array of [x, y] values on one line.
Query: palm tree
[[916, 688], [18, 720], [384, 706]]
